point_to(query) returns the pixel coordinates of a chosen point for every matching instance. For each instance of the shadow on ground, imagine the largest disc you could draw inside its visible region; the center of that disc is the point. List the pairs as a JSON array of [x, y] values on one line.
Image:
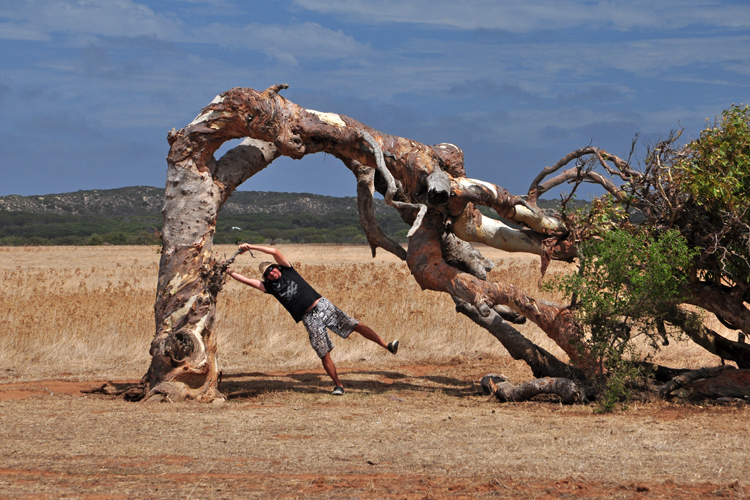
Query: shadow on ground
[[251, 384]]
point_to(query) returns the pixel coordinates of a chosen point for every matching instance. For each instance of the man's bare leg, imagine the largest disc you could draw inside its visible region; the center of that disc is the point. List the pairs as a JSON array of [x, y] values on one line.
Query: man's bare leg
[[370, 334], [330, 369]]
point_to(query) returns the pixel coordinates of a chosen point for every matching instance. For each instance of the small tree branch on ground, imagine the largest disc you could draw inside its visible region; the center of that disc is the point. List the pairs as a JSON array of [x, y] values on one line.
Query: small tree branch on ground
[[568, 390], [686, 378]]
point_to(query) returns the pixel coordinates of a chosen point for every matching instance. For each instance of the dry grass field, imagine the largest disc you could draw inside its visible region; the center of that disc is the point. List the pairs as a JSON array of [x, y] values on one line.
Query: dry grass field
[[410, 426]]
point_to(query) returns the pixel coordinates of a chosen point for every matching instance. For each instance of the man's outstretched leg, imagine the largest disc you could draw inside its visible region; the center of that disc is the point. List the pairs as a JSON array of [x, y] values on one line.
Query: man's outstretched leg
[[370, 334]]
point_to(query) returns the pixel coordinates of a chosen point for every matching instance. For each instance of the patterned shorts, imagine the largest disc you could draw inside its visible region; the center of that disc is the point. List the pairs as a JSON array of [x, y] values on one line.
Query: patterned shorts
[[326, 315]]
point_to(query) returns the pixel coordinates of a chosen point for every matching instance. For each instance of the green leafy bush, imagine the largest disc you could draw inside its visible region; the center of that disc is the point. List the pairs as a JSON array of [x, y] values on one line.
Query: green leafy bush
[[627, 282], [715, 173], [717, 169]]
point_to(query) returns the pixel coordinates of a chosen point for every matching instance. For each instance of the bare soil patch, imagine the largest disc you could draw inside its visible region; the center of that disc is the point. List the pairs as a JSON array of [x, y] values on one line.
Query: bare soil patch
[[412, 431]]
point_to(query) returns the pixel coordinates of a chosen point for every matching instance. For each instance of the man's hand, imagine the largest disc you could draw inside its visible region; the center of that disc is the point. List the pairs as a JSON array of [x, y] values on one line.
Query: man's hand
[[224, 266]]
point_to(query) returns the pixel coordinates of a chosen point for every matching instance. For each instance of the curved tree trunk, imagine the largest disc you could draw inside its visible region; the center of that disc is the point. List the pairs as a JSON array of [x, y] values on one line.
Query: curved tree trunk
[[426, 184], [183, 352], [541, 362]]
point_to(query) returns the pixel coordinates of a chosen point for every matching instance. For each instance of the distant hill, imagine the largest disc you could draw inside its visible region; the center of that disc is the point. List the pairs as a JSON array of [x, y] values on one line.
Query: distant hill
[[132, 215], [145, 200]]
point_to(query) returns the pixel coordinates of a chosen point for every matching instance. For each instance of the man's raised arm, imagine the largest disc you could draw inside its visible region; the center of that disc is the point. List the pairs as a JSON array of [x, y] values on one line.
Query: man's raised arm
[[277, 255], [257, 284]]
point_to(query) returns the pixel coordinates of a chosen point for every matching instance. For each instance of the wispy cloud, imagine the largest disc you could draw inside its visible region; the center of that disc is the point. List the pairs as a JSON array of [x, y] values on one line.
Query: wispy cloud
[[519, 16], [41, 19], [289, 44]]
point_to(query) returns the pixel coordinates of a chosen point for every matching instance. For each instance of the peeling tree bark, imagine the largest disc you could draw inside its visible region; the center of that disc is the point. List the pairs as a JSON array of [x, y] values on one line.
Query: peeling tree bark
[[183, 352], [687, 378], [426, 184], [728, 384]]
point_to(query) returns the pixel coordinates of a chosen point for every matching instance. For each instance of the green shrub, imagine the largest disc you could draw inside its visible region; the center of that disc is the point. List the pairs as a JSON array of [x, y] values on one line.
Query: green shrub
[[95, 240], [627, 282], [717, 170]]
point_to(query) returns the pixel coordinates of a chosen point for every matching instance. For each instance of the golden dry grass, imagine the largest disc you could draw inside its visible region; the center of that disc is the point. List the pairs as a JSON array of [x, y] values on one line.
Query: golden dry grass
[[88, 312]]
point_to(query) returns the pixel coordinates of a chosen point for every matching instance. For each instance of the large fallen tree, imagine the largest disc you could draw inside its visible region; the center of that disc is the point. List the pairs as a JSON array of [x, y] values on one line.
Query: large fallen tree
[[428, 187]]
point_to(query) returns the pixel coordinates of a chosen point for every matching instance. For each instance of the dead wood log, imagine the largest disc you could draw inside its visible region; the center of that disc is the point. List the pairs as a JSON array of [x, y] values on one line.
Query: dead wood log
[[541, 362], [484, 383], [568, 390]]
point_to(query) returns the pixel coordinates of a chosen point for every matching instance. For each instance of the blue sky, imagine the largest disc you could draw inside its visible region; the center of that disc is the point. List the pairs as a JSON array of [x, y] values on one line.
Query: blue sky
[[90, 88]]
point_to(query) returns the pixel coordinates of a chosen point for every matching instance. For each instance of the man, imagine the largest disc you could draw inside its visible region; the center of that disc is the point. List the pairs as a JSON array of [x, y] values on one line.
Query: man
[[305, 304]]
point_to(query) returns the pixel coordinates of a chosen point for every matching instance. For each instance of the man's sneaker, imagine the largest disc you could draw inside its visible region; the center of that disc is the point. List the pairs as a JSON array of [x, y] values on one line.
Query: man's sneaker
[[338, 391], [393, 347]]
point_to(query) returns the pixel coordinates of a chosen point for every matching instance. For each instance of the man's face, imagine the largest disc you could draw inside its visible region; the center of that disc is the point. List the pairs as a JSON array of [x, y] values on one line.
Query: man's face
[[273, 273]]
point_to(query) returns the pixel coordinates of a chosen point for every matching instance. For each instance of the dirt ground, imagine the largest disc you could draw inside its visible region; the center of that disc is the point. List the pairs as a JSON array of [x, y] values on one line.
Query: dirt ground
[[404, 432]]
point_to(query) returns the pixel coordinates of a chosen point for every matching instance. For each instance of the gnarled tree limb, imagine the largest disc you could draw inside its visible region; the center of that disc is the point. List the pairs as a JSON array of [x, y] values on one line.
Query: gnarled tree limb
[[689, 377], [709, 339], [426, 184], [622, 169], [375, 235]]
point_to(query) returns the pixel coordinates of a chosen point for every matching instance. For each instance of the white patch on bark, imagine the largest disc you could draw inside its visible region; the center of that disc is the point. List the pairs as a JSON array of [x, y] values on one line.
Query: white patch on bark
[[467, 183], [494, 233], [197, 333], [210, 114], [539, 224], [181, 312], [173, 285], [329, 118]]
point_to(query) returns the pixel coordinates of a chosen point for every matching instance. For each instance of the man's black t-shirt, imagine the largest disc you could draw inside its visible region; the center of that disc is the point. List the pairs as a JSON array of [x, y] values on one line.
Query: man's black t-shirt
[[294, 293]]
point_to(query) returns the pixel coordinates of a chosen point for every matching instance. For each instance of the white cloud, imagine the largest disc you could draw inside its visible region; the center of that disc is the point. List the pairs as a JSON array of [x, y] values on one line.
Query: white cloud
[[22, 31], [545, 69], [520, 16], [289, 44], [84, 18], [646, 57]]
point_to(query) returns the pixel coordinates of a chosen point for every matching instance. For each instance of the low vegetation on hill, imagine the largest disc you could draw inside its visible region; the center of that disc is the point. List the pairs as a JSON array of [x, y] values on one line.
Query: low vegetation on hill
[[132, 216]]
